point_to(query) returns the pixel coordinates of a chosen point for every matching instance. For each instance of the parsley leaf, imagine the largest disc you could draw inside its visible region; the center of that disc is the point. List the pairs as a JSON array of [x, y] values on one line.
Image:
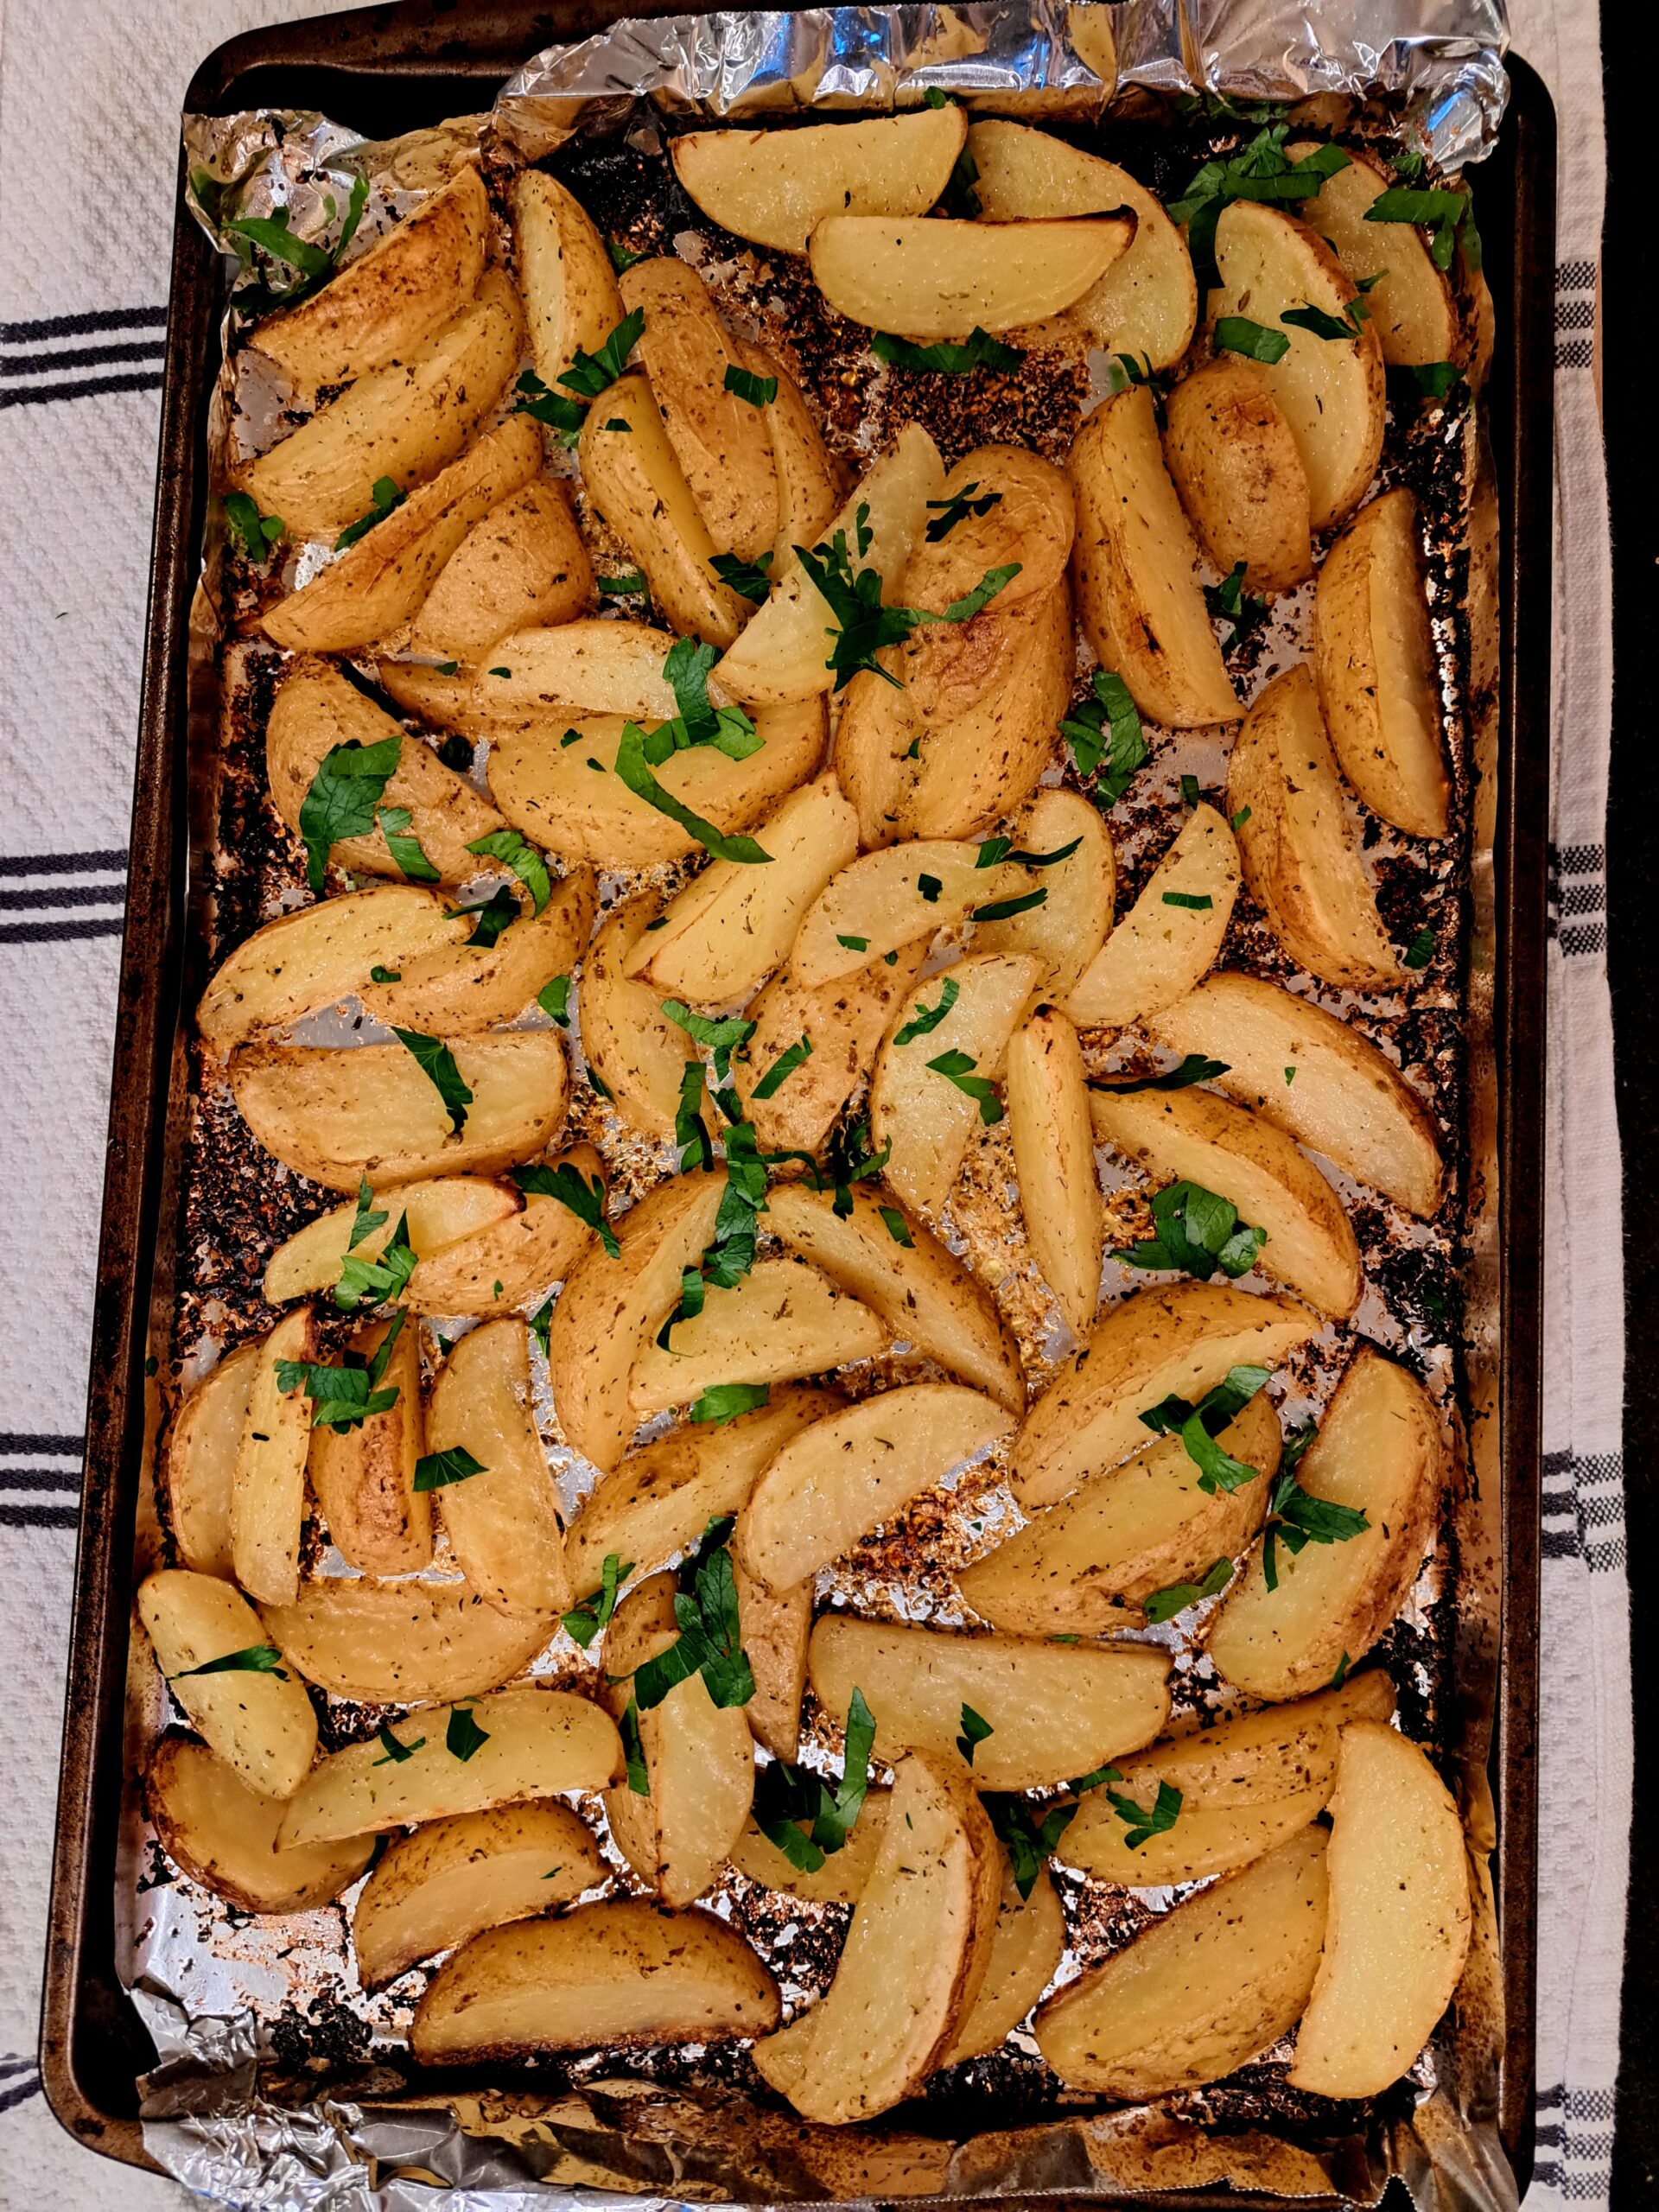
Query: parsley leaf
[[1003, 910], [782, 1068], [863, 626], [567, 1184], [979, 350], [340, 803], [748, 578], [975, 1729], [928, 1018], [1450, 215], [380, 975], [994, 850], [438, 1470], [463, 1735], [1429, 379], [1228, 601], [1029, 1841], [629, 585], [551, 409], [633, 1750], [710, 1640], [725, 1401], [1122, 370], [589, 374], [633, 767], [957, 1067], [498, 912], [785, 1795], [315, 263], [722, 1038], [847, 1162], [584, 1620], [622, 256], [1175, 1597], [1199, 1426], [956, 509], [1143, 1822], [541, 1326], [386, 497], [1200, 901], [1196, 1232], [392, 1753], [254, 1659], [759, 391], [346, 1396], [1236, 334], [437, 1063], [1310, 318], [1420, 951], [1296, 1519], [897, 1227], [1262, 172], [1105, 739], [522, 857], [553, 999], [409, 856], [855, 943], [258, 532], [384, 1277], [1194, 1068]]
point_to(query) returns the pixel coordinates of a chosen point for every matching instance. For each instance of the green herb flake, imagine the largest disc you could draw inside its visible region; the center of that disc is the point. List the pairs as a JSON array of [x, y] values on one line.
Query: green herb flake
[[438, 1470], [855, 943], [1228, 601], [1199, 902], [1003, 910], [1236, 334], [710, 1642], [930, 886], [1199, 1426], [584, 1621], [1420, 951], [258, 533], [782, 1068], [384, 1277], [497, 914], [254, 1659], [1142, 1822], [437, 1063], [463, 1735], [1194, 1068], [626, 586], [748, 578], [633, 1750], [949, 513], [622, 256], [723, 1038], [975, 1729], [1296, 1519], [343, 798], [387, 499], [1236, 821], [518, 854], [380, 975], [633, 767], [1175, 1597], [897, 1227], [568, 1187], [1104, 736], [407, 853], [553, 999], [727, 1400], [759, 391], [978, 351], [957, 1067], [589, 374], [925, 1018], [392, 1753], [344, 1397], [1196, 1232]]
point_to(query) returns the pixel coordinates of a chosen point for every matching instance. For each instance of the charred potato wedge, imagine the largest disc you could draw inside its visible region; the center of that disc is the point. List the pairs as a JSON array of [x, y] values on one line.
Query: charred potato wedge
[[401, 1643], [364, 1478], [223, 1834], [524, 565], [927, 277], [458, 987], [1173, 934], [259, 1724], [782, 1320], [503, 1523], [774, 188], [199, 1467], [1237, 466]]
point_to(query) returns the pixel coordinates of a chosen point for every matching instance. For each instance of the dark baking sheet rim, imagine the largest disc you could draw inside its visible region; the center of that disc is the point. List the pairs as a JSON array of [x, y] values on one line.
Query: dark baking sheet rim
[[390, 69]]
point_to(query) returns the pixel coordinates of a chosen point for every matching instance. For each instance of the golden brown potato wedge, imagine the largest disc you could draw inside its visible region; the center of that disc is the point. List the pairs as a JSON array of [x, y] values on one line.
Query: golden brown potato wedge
[[390, 301], [199, 1467], [434, 1215], [503, 1523], [810, 483], [339, 1116], [928, 277], [1262, 1757], [1146, 302], [268, 1486], [1237, 466], [773, 186], [1054, 1159], [379, 581], [1329, 390], [450, 1880], [536, 1744], [615, 1973], [843, 1022], [595, 664], [1374, 654], [258, 1722], [364, 1478], [223, 1834], [1206, 1839], [1180, 1342], [1194, 1137], [318, 956], [844, 1873], [405, 421], [883, 901], [1347, 1101], [1414, 311], [1027, 1947], [915, 1959], [1055, 1709], [1171, 935], [777, 1627], [663, 1496], [1203, 1990], [518, 1258], [1134, 571], [915, 1106], [926, 1297], [460, 986], [781, 1321], [316, 709], [699, 1758], [723, 935], [401, 1643], [524, 565], [1300, 855], [1032, 523], [1086, 1565], [1400, 1920], [638, 1054], [721, 439], [1382, 1451], [1075, 920], [571, 301], [610, 1308], [634, 480], [852, 1470]]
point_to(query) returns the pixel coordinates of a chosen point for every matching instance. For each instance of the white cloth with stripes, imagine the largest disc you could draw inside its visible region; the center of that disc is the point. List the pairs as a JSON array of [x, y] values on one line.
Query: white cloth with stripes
[[88, 116]]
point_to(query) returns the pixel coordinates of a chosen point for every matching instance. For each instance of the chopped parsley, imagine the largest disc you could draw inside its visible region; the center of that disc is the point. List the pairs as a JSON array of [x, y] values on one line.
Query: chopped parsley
[[1194, 1068], [313, 264], [344, 1397], [710, 1642], [518, 854], [498, 912], [979, 350], [1199, 1426], [1004, 910], [1175, 1597], [1105, 739], [1196, 1232], [1199, 902], [782, 1067], [925, 1018], [1260, 171], [385, 1277], [553, 999], [759, 391], [343, 796], [726, 1401], [438, 1470], [258, 532], [957, 1067], [1426, 379], [785, 1797], [897, 1227], [253, 1659], [1236, 334], [463, 1735], [387, 499], [1296, 1519], [632, 766], [1450, 217], [994, 850], [947, 513], [1315, 319], [748, 578], [567, 1184], [584, 1620], [1420, 951], [633, 1750], [723, 1038], [622, 256], [863, 625], [392, 1753], [975, 1729], [1228, 601], [437, 1063], [628, 585]]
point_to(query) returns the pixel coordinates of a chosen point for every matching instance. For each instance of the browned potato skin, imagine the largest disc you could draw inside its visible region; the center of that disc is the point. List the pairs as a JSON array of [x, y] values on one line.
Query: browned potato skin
[[223, 1834], [364, 1477], [1234, 462], [811, 483], [524, 563], [844, 1021]]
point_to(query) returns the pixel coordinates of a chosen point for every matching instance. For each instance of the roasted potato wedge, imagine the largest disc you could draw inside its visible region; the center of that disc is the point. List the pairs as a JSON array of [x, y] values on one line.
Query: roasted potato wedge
[[1055, 1709], [1086, 1565], [1179, 1341], [494, 1272], [1382, 1450], [615, 1973], [699, 1758], [458, 986], [810, 482], [319, 955], [721, 439], [378, 582], [594, 664], [927, 277], [1027, 1947], [405, 421], [663, 1496], [450, 1880], [1298, 849], [638, 1054], [524, 565], [1075, 920], [844, 1873], [1054, 1159], [1194, 1137], [782, 1320], [449, 1210], [902, 895], [723, 935], [1414, 311], [1206, 1839], [339, 1116], [571, 301], [1203, 1990], [401, 1643], [1237, 466], [1329, 390], [925, 1296], [364, 1478], [1347, 1101], [781, 655], [199, 1467], [1134, 571], [504, 1523], [1374, 654], [1146, 302], [773, 186], [390, 301], [1258, 1759], [268, 1485], [841, 1477], [922, 1112], [1400, 1920], [316, 709], [536, 1743], [223, 1834], [777, 1628], [915, 1959], [1173, 934], [843, 1022], [259, 1723], [635, 480]]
